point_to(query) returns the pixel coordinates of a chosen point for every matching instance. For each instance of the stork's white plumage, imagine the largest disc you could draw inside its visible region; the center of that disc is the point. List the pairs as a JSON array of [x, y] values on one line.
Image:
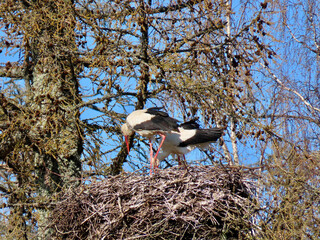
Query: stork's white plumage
[[187, 139], [148, 123]]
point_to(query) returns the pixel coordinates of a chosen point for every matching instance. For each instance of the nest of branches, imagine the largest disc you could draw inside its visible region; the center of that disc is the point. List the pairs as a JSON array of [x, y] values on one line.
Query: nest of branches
[[196, 203]]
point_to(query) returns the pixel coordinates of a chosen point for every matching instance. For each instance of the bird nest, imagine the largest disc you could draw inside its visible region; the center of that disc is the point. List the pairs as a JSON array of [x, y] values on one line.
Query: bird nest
[[197, 203]]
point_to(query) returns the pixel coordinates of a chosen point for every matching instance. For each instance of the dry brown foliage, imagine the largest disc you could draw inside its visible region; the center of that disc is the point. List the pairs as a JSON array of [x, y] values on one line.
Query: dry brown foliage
[[198, 203]]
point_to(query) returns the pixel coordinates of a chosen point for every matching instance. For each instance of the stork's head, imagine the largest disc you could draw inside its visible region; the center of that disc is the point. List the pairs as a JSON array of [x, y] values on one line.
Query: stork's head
[[126, 131]]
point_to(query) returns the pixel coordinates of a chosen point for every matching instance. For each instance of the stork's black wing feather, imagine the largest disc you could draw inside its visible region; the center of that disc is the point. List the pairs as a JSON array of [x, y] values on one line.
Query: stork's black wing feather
[[191, 124], [203, 136], [156, 111], [158, 122]]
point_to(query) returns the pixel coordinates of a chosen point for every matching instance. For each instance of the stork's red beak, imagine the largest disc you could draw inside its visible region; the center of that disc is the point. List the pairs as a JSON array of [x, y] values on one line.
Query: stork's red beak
[[127, 142]]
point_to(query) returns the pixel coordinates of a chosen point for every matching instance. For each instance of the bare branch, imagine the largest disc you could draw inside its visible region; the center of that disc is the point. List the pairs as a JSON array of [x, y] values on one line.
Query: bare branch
[[287, 116], [104, 98], [303, 43], [312, 108]]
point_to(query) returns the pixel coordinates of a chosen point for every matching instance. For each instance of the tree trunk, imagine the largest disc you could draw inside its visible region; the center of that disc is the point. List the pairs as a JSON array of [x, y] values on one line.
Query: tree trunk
[[55, 94], [49, 129]]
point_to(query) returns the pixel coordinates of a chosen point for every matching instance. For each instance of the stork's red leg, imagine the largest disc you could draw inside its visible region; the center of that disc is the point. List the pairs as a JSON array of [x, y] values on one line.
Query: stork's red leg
[[160, 145], [184, 161], [179, 161]]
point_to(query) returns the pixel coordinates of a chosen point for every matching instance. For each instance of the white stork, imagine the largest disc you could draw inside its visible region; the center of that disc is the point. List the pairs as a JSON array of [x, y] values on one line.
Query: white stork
[[187, 139], [148, 123]]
